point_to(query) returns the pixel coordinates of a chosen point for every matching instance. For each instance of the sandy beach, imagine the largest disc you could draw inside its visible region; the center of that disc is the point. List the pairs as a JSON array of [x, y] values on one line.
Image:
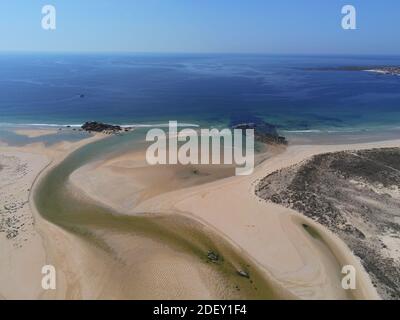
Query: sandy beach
[[23, 232], [287, 253], [268, 236]]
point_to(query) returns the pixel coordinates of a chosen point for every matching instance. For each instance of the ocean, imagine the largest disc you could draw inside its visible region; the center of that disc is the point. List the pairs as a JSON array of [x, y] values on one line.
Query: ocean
[[295, 93]]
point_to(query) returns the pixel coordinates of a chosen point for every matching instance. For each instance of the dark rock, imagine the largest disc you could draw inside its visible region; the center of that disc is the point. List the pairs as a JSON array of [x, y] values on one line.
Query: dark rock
[[100, 127], [263, 131], [212, 256]]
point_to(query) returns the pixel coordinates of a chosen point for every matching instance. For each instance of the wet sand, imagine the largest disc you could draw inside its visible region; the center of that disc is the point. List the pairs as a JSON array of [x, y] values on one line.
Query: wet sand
[[35, 133]]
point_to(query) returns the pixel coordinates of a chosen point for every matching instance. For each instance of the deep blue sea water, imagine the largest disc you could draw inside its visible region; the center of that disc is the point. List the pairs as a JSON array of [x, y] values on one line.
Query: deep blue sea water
[[201, 89]]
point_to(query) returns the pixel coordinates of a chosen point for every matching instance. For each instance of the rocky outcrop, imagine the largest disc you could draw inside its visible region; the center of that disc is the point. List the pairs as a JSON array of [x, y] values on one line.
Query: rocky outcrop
[[100, 127], [212, 256], [263, 132]]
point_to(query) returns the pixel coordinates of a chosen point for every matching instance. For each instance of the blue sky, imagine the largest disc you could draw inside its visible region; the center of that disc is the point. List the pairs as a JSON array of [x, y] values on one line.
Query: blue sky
[[221, 26]]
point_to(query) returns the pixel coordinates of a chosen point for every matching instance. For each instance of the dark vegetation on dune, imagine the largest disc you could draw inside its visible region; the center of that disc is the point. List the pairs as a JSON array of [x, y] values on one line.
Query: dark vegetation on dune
[[356, 194]]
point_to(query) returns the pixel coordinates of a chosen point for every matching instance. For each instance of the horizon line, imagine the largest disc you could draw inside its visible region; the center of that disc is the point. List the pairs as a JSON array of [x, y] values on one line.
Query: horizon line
[[192, 53]]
